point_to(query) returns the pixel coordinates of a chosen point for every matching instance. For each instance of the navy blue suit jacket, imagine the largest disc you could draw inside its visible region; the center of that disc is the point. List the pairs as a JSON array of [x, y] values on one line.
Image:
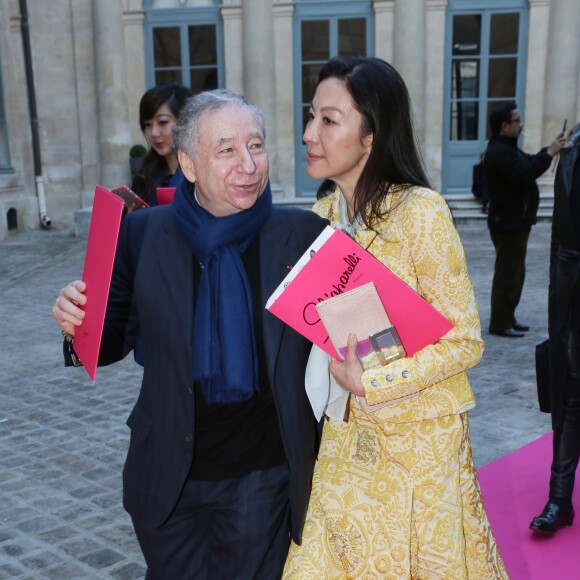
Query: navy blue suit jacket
[[157, 292]]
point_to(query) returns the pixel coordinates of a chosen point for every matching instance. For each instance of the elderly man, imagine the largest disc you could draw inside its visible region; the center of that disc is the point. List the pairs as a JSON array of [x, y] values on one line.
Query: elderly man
[[218, 473]]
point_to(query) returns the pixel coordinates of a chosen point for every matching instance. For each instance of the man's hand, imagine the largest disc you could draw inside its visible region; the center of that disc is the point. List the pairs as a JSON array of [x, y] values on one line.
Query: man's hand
[[66, 309], [557, 144], [348, 373]]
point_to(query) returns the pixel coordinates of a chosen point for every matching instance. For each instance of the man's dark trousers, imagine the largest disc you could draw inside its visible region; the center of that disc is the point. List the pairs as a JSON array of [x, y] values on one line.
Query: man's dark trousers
[[221, 530], [508, 279]]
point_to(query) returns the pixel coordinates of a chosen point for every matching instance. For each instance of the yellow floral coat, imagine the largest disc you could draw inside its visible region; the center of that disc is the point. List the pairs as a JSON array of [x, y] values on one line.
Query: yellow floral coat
[[395, 492], [419, 243]]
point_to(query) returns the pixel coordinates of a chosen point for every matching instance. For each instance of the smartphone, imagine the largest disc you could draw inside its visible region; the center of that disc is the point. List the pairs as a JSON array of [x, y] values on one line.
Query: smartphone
[[130, 198], [564, 127]]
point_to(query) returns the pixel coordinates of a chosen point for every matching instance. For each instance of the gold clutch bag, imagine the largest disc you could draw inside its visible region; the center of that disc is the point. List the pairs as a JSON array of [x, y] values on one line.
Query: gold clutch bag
[[361, 312]]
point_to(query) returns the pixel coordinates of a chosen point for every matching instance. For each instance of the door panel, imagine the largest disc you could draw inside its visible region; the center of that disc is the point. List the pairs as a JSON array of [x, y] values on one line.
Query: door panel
[[184, 45], [322, 37], [501, 82], [484, 67], [352, 37]]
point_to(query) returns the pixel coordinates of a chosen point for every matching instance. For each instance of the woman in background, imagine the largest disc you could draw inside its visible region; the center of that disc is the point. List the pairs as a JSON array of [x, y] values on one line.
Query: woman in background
[[395, 493], [159, 109], [158, 112]]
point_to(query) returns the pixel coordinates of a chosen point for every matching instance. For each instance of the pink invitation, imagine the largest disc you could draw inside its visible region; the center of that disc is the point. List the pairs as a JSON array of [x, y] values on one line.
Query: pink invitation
[[99, 258], [165, 195], [334, 264]]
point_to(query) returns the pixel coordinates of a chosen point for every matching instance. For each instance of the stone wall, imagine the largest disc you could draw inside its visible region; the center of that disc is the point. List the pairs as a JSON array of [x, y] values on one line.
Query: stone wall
[[89, 73]]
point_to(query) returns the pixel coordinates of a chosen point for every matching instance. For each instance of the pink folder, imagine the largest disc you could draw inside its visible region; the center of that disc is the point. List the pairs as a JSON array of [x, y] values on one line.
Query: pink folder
[[165, 195], [334, 264], [100, 255]]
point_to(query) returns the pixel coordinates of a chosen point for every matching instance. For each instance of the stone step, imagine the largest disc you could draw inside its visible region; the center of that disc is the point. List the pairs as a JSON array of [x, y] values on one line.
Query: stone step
[[463, 208], [463, 215], [467, 208]]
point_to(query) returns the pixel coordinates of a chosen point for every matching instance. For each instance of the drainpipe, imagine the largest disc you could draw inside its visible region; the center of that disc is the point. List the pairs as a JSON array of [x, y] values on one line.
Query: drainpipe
[[45, 221]]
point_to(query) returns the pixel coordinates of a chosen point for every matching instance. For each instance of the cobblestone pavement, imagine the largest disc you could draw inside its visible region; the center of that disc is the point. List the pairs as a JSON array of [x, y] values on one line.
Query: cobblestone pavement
[[63, 438]]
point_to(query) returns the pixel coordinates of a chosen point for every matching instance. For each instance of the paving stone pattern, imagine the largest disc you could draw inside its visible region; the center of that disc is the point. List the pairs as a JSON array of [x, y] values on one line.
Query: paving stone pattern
[[63, 439]]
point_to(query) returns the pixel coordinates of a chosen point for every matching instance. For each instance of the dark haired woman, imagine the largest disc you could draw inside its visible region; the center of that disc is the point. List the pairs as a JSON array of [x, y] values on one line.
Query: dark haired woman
[[158, 112], [395, 493], [159, 109]]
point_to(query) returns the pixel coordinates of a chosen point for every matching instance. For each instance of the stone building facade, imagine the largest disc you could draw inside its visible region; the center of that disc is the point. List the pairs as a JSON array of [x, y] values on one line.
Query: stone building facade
[[91, 60]]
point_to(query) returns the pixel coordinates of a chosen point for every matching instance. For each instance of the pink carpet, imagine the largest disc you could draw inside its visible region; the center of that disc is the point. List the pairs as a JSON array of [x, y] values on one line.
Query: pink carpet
[[514, 490]]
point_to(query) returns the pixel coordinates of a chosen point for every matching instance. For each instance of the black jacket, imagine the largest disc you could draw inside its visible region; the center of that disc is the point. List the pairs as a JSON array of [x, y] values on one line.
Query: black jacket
[[510, 181], [160, 286], [564, 293]]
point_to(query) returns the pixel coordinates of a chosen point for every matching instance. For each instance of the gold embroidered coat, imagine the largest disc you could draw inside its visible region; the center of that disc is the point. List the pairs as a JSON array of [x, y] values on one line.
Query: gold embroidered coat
[[395, 493]]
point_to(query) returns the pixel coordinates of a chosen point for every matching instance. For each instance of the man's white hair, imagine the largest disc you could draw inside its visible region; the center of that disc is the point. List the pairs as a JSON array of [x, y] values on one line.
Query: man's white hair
[[186, 132]]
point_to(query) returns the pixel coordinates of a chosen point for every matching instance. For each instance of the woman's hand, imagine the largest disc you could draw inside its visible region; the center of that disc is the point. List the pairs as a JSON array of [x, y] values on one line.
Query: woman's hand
[[131, 206], [66, 309], [348, 373]]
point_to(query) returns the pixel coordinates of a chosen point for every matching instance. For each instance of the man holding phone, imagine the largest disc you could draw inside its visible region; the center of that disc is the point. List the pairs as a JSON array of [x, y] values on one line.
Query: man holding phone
[[510, 179]]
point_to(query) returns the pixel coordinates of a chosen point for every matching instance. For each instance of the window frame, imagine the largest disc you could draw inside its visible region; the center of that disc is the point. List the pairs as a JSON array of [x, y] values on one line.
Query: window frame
[[459, 156], [182, 18], [332, 11]]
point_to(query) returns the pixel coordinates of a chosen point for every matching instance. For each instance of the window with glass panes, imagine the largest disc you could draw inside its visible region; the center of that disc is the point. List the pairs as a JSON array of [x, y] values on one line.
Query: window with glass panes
[[185, 46], [485, 54], [497, 57], [323, 30]]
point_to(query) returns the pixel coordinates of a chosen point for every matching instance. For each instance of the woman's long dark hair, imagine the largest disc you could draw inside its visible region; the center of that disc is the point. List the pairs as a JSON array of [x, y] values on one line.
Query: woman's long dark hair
[[381, 97], [174, 96]]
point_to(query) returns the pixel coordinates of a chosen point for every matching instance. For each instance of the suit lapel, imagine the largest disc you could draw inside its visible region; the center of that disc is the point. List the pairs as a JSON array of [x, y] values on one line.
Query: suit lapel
[[175, 262], [276, 260]]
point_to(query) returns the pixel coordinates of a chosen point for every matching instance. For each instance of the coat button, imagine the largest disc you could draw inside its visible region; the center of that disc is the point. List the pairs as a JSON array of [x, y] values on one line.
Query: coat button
[[389, 378], [189, 438], [374, 383], [405, 374]]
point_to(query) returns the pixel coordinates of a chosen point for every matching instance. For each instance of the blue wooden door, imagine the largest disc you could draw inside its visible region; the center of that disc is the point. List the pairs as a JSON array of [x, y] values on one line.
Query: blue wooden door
[[318, 37], [485, 64]]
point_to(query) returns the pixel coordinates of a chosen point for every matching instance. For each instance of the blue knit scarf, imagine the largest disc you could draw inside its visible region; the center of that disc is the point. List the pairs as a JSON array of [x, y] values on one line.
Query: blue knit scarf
[[225, 358]]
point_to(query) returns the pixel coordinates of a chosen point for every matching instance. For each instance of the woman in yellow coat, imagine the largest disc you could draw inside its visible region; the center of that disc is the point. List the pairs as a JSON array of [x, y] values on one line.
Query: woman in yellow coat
[[395, 492]]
